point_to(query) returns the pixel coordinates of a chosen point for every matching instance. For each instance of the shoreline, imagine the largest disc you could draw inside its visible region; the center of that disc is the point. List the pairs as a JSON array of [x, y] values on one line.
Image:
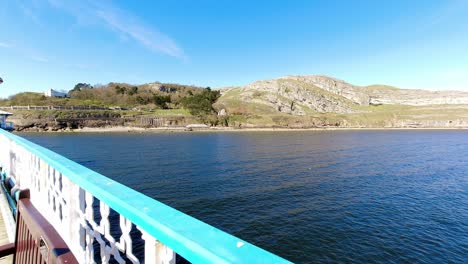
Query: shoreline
[[229, 129]]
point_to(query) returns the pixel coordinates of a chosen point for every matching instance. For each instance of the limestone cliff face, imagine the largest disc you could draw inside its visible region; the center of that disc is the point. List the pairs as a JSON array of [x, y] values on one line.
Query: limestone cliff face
[[332, 85], [416, 97], [300, 95], [293, 96], [381, 94]]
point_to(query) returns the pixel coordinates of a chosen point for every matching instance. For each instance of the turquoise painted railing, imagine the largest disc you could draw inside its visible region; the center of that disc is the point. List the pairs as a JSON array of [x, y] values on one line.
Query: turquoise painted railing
[[66, 191]]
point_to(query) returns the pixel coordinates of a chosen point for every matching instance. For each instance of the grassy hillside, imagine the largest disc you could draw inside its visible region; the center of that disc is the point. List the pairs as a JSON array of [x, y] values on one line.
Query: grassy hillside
[[29, 98], [154, 95], [185, 103], [153, 98], [371, 117]]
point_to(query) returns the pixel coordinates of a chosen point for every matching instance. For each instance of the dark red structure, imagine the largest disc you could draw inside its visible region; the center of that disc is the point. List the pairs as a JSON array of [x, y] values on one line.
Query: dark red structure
[[36, 239]]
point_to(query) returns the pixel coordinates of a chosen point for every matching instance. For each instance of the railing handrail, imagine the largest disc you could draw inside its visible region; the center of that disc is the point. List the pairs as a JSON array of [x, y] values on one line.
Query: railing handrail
[[193, 239], [57, 107]]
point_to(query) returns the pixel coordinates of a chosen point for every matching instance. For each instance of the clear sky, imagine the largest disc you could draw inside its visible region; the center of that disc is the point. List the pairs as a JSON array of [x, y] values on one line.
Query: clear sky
[[58, 43]]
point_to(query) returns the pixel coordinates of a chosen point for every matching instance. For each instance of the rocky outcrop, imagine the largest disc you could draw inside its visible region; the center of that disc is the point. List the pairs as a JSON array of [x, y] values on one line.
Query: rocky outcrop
[[292, 96], [335, 86], [416, 97], [299, 95], [381, 94], [45, 124], [38, 123]]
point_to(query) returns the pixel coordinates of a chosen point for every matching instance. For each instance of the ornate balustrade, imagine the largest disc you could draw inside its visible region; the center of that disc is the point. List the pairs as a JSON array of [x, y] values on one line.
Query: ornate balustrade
[[104, 221]]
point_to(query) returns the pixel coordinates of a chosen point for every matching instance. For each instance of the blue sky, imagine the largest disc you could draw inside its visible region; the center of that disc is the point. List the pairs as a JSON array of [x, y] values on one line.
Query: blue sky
[[58, 43]]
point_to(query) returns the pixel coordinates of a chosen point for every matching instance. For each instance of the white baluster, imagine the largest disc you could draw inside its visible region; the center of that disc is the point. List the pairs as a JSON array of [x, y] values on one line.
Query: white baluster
[[72, 221], [89, 215], [104, 229], [156, 252], [126, 243]]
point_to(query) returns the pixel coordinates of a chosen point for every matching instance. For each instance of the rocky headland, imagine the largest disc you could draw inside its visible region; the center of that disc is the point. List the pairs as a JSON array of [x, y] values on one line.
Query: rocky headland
[[300, 102], [321, 101]]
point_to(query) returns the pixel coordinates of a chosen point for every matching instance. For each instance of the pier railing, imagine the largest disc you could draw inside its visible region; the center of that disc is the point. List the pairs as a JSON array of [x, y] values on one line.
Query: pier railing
[[55, 107], [104, 221]]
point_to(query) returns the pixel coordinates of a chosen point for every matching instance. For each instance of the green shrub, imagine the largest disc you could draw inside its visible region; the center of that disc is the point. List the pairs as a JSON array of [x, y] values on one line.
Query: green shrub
[[201, 104]]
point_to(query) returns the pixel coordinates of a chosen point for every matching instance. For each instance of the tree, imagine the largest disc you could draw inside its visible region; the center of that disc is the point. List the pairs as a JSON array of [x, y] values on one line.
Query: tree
[[120, 90], [80, 86], [161, 100], [201, 104], [142, 101], [133, 90]]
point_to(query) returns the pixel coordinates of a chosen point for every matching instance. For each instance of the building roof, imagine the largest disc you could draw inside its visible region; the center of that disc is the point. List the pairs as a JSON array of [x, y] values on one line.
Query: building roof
[[4, 113]]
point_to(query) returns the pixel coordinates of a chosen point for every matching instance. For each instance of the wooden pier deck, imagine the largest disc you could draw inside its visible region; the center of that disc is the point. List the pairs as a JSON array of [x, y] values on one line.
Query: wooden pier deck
[[4, 240], [6, 236]]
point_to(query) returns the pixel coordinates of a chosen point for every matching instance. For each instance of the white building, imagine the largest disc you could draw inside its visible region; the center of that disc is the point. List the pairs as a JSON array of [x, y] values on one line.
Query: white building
[[53, 93]]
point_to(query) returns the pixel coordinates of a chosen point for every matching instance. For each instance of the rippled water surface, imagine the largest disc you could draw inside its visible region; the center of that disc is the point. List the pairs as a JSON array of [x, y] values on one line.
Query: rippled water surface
[[335, 196]]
